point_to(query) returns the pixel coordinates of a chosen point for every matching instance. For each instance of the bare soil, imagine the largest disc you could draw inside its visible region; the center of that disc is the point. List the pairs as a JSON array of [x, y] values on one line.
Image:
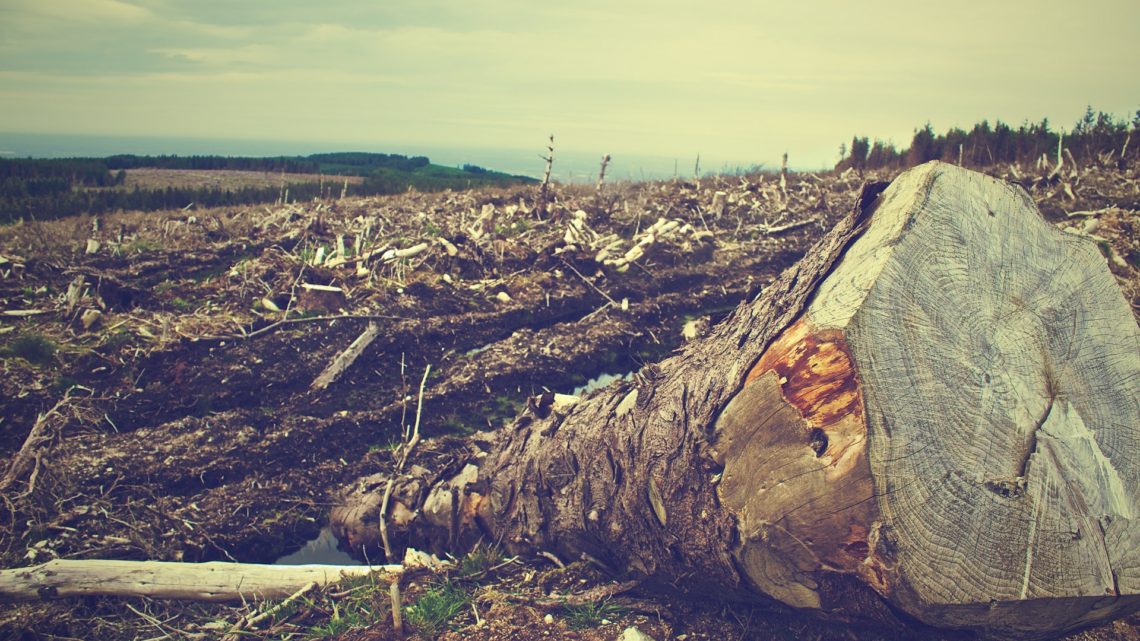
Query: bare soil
[[169, 366]]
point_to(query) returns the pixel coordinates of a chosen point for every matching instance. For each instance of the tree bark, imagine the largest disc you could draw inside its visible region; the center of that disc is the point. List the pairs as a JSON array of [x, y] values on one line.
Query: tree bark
[[933, 413]]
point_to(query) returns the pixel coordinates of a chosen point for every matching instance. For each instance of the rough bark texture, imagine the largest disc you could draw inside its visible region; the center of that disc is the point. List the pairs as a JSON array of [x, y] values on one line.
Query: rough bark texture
[[934, 413], [580, 479], [627, 476]]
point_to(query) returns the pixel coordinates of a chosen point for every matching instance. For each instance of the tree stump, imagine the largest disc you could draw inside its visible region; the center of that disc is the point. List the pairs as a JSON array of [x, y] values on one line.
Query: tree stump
[[934, 413]]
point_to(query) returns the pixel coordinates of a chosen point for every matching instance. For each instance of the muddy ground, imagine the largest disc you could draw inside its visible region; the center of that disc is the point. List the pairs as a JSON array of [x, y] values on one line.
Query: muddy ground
[[166, 363]]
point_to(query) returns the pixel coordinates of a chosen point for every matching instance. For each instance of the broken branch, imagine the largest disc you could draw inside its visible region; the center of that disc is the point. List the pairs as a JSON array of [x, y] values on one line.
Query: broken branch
[[345, 359], [212, 581]]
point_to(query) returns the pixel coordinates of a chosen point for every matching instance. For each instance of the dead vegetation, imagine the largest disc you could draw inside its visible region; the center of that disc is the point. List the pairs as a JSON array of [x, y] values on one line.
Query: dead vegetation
[[224, 179], [199, 385]]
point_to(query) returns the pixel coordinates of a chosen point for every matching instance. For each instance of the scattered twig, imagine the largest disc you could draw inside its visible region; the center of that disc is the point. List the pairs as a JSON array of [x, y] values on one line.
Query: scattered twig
[[593, 595], [497, 566], [33, 476], [606, 305], [29, 451], [162, 626], [789, 226], [592, 286], [293, 289], [251, 621], [272, 327], [553, 559]]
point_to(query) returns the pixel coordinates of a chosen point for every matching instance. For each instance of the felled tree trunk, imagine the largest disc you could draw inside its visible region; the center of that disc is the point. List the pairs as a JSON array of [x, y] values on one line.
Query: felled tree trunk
[[936, 410]]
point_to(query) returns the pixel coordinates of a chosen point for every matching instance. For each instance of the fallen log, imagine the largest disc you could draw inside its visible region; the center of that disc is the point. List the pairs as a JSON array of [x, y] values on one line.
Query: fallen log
[[213, 581], [932, 419]]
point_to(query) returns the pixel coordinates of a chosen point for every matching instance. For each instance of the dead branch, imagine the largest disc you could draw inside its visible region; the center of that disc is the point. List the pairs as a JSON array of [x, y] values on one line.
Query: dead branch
[[602, 173], [345, 359], [405, 452], [779, 229], [544, 189], [30, 449], [784, 177], [592, 286], [272, 327], [251, 621], [213, 581]]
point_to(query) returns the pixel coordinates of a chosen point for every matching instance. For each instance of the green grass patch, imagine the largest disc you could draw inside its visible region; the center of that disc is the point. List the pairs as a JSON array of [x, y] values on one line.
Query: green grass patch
[[435, 609], [63, 383], [365, 603], [390, 446], [34, 348], [479, 560], [339, 622], [588, 615], [139, 246], [117, 339]]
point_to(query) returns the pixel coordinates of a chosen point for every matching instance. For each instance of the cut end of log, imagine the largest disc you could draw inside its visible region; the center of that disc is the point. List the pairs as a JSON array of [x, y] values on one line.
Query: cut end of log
[[953, 421]]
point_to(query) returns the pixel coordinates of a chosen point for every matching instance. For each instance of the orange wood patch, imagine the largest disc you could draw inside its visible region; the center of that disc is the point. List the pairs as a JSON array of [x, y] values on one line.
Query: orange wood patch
[[817, 377], [816, 373]]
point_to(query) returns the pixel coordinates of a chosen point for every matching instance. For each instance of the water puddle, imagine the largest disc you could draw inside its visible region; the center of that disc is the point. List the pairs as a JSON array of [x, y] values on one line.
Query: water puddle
[[321, 550], [477, 350], [601, 380]]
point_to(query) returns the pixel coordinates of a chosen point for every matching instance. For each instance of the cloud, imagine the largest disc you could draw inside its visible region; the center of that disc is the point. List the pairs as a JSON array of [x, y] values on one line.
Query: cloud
[[667, 76], [222, 56], [104, 12]]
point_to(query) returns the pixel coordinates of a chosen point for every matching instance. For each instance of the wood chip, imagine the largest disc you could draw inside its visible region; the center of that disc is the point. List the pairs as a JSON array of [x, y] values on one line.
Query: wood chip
[[657, 503]]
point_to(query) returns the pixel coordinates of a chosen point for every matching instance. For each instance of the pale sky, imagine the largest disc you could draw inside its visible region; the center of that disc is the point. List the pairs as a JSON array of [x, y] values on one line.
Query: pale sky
[[737, 82]]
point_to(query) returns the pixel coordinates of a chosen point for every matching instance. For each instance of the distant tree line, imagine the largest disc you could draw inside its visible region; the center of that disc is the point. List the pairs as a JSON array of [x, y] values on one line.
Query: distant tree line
[[99, 201], [52, 188], [287, 164], [353, 163], [1096, 136], [362, 164], [36, 178]]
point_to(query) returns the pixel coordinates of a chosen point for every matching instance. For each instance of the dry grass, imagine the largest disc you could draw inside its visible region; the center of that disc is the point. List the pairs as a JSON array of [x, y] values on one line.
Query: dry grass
[[224, 179]]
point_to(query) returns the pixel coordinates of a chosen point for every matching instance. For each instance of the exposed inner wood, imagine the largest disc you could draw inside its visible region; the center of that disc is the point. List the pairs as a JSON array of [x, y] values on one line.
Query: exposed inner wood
[[793, 444]]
